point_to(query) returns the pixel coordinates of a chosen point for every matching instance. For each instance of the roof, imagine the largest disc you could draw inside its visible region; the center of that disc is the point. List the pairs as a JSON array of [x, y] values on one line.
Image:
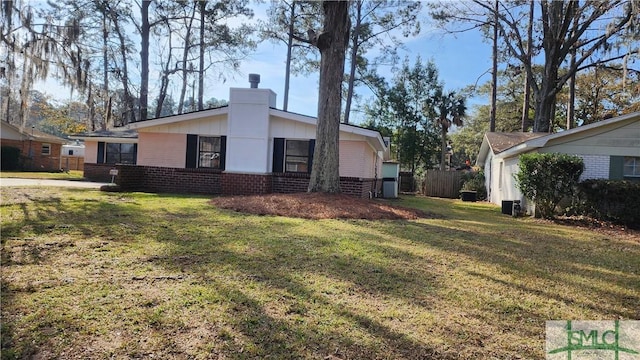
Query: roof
[[34, 134], [102, 135], [500, 141], [542, 140]]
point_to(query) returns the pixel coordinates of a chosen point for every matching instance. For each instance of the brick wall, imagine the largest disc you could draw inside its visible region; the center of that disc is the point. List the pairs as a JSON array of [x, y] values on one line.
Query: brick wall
[[286, 183], [217, 182], [37, 161], [97, 172], [169, 180], [246, 184]]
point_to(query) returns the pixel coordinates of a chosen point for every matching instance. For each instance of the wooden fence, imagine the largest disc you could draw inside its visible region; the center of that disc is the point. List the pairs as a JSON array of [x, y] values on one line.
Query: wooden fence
[[445, 184], [72, 163]]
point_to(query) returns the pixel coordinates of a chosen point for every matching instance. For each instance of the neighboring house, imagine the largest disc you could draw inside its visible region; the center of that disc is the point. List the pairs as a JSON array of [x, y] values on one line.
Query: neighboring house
[[245, 147], [72, 156], [610, 150], [38, 150]]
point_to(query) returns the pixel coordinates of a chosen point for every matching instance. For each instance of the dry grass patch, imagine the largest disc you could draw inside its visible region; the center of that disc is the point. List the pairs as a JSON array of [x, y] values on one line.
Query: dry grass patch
[[318, 206]]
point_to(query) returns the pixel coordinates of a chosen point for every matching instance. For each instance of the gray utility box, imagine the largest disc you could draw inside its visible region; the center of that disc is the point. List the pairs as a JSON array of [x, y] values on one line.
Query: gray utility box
[[390, 172]]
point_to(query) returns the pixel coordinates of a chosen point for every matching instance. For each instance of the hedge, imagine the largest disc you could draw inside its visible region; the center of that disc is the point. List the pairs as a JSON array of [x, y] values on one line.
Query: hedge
[[611, 200]]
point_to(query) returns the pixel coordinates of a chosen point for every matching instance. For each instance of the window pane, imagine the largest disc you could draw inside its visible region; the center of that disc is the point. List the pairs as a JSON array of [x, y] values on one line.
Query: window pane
[[126, 158], [210, 144], [297, 147], [209, 153], [209, 160], [113, 158], [296, 164], [114, 148], [631, 166], [126, 148]]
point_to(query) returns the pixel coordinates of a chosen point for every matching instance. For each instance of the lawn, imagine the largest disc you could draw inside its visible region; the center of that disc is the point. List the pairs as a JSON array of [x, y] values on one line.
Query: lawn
[[69, 175], [87, 274]]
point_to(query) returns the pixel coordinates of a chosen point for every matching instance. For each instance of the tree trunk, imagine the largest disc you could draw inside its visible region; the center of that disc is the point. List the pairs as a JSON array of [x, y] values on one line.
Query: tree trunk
[[443, 155], [287, 75], [164, 79], [494, 71], [353, 61], [105, 74], [145, 30], [544, 109], [527, 79], [185, 56], [203, 10], [332, 43], [129, 115]]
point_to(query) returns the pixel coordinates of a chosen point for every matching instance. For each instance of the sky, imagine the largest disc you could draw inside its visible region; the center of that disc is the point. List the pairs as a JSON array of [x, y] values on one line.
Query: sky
[[462, 59]]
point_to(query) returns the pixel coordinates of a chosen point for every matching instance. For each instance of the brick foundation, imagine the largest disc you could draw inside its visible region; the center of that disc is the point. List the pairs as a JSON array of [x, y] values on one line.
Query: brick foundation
[[97, 172], [217, 182]]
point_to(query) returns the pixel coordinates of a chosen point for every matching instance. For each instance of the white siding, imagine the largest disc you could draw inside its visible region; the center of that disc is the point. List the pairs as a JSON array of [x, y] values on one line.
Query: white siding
[[595, 167], [622, 141], [215, 125]]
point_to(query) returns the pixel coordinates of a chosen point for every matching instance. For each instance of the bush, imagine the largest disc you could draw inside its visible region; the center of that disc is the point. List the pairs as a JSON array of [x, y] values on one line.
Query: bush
[[10, 158], [474, 181], [546, 179], [612, 200]]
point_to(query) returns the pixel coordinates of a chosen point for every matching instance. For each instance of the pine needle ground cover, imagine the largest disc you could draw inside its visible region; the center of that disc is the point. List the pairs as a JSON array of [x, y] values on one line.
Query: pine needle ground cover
[[87, 274]]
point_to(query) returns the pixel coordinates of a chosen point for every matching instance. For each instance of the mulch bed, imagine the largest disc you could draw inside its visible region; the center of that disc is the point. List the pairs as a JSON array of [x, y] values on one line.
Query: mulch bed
[[318, 206]]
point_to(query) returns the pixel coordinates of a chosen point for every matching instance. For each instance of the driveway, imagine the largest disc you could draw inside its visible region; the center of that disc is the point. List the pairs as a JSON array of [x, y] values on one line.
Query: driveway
[[16, 182]]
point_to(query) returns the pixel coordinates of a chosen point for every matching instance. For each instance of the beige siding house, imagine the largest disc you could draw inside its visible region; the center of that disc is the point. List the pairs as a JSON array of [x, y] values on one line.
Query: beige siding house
[[610, 150], [246, 147]]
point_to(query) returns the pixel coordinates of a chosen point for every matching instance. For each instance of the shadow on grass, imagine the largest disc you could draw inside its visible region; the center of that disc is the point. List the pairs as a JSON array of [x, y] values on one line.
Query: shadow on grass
[[303, 289]]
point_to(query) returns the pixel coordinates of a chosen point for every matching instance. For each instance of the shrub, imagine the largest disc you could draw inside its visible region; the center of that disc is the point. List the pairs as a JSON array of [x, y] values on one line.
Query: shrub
[[10, 158], [612, 200], [474, 181], [546, 179]]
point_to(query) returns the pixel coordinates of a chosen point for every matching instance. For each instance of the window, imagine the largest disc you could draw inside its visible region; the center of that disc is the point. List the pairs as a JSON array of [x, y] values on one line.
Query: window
[[46, 149], [120, 153], [631, 166], [209, 152], [70, 152], [297, 156]]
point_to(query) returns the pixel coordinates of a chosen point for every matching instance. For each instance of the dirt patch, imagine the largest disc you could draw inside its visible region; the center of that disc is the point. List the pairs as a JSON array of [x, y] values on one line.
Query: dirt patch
[[318, 206]]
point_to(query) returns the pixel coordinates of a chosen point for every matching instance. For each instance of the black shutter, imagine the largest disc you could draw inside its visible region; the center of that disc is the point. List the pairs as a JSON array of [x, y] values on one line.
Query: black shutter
[[100, 159], [312, 148], [616, 167], [278, 155], [223, 152], [135, 154], [192, 151]]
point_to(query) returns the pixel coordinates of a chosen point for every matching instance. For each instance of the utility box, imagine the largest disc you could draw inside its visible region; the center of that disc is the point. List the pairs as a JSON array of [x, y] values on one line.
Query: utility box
[[390, 173]]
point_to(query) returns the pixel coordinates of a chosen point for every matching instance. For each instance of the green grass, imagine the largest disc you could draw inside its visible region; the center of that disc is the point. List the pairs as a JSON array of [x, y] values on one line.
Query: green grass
[[70, 175], [87, 274]]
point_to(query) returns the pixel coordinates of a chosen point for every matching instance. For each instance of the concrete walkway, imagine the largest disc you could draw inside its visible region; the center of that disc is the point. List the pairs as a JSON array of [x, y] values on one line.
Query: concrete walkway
[[16, 182]]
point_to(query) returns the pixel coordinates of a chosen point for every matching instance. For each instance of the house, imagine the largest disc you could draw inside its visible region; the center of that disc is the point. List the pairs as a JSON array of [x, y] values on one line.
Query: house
[[245, 147], [72, 157], [610, 149], [38, 150]]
